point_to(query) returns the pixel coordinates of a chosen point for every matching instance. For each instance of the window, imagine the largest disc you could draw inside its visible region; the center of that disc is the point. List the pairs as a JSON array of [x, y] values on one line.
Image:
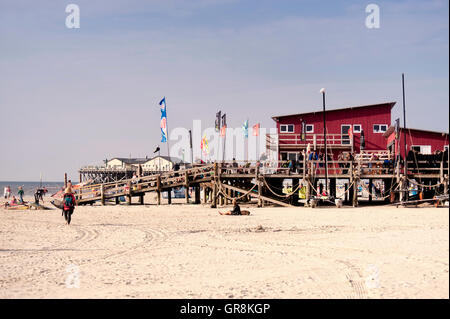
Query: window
[[345, 138], [380, 128], [283, 156], [422, 149], [309, 128], [292, 156], [357, 128], [287, 128]]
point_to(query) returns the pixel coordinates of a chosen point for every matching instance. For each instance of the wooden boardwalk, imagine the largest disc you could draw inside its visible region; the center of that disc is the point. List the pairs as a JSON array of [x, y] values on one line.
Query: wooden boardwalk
[[223, 181]]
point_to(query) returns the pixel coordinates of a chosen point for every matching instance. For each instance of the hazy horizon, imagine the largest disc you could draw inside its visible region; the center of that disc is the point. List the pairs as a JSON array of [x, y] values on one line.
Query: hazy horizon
[[73, 97]]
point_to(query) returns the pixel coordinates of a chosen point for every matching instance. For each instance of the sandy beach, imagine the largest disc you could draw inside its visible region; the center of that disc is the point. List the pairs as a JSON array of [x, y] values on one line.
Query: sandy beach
[[190, 251]]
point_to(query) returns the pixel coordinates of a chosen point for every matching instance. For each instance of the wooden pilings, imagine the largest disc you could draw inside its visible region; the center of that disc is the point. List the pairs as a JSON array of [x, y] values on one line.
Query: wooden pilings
[[158, 190]]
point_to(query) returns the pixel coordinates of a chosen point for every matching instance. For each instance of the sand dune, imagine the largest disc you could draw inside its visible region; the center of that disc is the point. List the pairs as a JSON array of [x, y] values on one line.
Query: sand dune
[[190, 251]]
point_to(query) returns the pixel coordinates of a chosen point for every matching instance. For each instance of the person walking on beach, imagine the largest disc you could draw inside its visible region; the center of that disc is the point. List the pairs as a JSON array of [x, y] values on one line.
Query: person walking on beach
[[69, 203], [7, 192], [20, 193]]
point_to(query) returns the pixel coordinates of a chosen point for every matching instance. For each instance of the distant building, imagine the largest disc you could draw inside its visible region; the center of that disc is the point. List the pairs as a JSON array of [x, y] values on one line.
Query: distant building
[[155, 164], [125, 163], [162, 163], [423, 141]]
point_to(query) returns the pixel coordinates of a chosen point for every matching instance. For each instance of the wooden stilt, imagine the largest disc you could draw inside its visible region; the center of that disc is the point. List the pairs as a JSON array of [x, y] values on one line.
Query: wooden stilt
[[204, 199], [214, 186], [186, 185], [129, 193], [158, 190], [169, 196], [102, 194], [197, 194]]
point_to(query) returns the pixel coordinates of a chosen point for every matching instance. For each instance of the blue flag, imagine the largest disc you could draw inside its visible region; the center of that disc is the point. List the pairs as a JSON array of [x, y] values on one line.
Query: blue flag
[[163, 123], [245, 128]]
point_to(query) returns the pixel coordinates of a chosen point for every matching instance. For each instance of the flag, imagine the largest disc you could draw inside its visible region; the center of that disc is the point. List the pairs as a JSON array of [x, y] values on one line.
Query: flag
[[163, 123], [223, 130], [245, 128], [256, 130], [218, 117], [204, 145]]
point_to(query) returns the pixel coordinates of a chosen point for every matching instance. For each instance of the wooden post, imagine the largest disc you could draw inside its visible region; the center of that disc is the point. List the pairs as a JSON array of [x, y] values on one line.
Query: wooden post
[[346, 196], [65, 180], [169, 196], [204, 195], [129, 193], [355, 191], [158, 189], [214, 187], [197, 194], [401, 186], [308, 190], [259, 182], [141, 199], [445, 181], [102, 194], [186, 185], [370, 190]]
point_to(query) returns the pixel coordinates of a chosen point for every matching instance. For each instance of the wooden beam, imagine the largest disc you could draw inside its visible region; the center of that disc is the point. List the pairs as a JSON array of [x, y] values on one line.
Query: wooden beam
[[269, 199]]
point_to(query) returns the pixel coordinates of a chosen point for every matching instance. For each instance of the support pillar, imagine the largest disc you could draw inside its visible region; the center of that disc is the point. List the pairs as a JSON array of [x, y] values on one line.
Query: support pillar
[[197, 194], [158, 190], [129, 193]]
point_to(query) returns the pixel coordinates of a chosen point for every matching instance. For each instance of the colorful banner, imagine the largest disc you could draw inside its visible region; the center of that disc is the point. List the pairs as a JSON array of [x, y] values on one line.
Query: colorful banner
[[163, 123], [204, 145]]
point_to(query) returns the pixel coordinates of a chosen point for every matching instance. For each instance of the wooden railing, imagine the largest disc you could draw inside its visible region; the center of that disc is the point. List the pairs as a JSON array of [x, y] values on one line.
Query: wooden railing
[[314, 139]]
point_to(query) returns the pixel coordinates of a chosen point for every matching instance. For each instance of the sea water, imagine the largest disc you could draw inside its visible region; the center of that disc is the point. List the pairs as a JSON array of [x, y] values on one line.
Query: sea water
[[29, 188]]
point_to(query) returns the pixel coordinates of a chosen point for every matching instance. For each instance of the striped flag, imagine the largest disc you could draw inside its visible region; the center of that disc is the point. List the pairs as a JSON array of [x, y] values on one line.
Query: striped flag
[[163, 123]]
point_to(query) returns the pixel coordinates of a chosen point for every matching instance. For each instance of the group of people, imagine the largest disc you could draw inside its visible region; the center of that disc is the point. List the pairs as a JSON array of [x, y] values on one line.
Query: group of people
[[14, 201]]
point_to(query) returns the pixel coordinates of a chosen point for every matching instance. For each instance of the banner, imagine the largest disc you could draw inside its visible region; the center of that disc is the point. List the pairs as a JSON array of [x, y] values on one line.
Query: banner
[[163, 123], [217, 124], [223, 129], [245, 128], [256, 130]]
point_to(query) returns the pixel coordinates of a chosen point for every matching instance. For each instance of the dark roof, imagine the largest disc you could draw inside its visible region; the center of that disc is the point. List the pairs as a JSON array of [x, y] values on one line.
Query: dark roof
[[131, 160], [146, 159], [319, 109], [391, 129]]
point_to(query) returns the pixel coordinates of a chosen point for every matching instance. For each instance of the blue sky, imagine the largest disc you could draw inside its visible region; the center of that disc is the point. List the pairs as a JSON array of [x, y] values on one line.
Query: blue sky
[[71, 97]]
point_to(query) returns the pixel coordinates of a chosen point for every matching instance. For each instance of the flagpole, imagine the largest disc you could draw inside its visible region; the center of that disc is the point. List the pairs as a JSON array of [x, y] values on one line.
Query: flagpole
[[167, 128]]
